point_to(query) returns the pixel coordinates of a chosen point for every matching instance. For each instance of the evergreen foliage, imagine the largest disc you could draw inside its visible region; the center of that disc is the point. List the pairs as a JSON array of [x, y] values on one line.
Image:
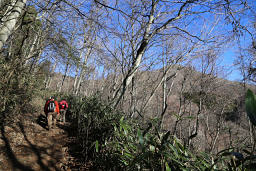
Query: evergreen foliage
[[251, 106]]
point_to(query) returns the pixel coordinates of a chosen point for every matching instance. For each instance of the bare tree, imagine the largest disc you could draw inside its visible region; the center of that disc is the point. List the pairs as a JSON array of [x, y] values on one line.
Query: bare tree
[[89, 42], [10, 19], [157, 22]]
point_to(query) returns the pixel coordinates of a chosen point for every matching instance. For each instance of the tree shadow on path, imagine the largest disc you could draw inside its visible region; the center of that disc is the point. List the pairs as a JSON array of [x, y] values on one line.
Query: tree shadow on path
[[36, 151], [42, 121], [16, 164], [36, 148]]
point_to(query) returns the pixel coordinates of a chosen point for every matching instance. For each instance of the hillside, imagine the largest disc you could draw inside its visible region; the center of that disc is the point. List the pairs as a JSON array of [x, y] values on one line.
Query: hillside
[[221, 122], [26, 144], [143, 81]]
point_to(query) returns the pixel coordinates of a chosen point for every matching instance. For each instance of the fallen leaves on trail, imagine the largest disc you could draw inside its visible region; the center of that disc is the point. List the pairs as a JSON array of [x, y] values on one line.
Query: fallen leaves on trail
[[26, 145]]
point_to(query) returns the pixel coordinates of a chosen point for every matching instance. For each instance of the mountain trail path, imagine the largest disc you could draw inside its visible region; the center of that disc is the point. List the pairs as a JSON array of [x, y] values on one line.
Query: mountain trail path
[[26, 144]]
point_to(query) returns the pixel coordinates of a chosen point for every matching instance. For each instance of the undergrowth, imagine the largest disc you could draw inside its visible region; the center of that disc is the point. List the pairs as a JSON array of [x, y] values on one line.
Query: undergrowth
[[112, 142]]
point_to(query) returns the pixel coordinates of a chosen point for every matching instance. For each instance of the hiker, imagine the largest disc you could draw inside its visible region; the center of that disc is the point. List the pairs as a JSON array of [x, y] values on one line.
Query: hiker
[[51, 110], [63, 109]]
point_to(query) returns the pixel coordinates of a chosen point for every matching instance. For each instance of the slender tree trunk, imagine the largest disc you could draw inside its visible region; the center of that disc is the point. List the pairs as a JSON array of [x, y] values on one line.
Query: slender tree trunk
[[94, 86], [31, 53], [35, 63], [68, 80], [219, 124], [82, 72], [78, 68], [133, 98], [64, 76], [196, 126], [79, 82], [140, 52], [76, 78], [156, 87], [164, 87], [164, 109], [128, 78], [92, 38], [189, 124], [9, 21], [10, 50], [49, 79], [28, 54], [75, 85], [31, 49], [180, 109], [103, 79]]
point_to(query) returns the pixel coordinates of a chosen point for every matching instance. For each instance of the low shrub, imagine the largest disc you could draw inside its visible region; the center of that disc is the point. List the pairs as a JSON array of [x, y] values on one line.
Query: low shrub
[[135, 148], [92, 122], [112, 142]]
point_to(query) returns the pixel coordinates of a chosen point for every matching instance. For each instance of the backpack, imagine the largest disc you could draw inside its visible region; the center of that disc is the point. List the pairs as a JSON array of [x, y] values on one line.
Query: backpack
[[62, 106], [51, 106]]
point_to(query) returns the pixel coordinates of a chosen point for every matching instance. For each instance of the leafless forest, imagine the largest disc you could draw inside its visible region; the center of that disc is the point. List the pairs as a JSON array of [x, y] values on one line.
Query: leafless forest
[[146, 58]]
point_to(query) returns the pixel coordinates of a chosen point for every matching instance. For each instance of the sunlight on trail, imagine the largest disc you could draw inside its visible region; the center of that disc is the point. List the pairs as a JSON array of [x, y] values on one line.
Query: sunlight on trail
[[26, 145]]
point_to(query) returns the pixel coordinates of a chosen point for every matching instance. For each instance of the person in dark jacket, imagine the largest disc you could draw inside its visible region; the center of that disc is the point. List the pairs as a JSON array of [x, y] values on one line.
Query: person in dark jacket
[[63, 109], [51, 110]]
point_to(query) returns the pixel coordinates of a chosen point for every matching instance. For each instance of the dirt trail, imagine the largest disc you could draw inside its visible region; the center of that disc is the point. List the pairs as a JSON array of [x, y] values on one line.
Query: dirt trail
[[27, 145]]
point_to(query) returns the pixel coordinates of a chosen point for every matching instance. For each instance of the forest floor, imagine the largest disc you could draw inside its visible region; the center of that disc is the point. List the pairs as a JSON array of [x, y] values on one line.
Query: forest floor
[[26, 144]]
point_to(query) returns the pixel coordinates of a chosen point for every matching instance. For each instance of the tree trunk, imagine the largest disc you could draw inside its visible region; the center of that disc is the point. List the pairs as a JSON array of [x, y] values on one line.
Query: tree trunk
[[196, 126], [31, 54], [79, 82], [219, 125], [164, 89], [49, 79], [77, 70], [92, 39], [144, 43], [9, 22], [128, 78], [64, 76], [35, 63], [133, 98], [82, 70], [178, 118], [157, 86], [76, 78], [31, 48]]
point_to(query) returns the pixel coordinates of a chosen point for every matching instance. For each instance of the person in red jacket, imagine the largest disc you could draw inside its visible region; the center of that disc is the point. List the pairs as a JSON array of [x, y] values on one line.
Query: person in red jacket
[[51, 110], [63, 109]]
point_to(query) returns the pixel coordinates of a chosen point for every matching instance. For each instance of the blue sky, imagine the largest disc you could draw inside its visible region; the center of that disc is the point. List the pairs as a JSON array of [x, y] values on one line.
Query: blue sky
[[244, 41], [228, 59]]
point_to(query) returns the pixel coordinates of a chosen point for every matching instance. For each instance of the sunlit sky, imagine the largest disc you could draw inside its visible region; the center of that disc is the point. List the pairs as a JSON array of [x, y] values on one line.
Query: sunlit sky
[[228, 58], [230, 53]]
